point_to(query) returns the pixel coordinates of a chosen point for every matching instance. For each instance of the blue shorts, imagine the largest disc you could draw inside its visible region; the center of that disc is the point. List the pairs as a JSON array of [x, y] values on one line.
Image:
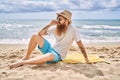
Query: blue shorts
[[47, 49]]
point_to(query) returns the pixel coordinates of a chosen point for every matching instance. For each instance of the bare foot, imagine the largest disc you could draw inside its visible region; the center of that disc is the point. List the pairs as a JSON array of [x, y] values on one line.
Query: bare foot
[[19, 63], [16, 64]]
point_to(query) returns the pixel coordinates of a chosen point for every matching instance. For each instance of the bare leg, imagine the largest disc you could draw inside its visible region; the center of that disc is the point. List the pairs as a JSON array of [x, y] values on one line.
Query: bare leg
[[35, 39], [37, 60]]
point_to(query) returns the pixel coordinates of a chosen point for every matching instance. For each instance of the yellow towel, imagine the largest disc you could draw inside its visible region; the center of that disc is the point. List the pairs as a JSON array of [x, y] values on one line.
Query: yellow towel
[[77, 57]]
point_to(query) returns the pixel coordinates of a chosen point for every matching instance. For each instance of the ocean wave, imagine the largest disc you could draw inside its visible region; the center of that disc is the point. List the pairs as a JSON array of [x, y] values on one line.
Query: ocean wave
[[8, 25], [20, 33], [99, 27], [84, 40], [14, 41], [15, 25]]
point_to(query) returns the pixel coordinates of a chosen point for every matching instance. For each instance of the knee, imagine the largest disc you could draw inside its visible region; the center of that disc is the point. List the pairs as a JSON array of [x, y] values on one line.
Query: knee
[[35, 36]]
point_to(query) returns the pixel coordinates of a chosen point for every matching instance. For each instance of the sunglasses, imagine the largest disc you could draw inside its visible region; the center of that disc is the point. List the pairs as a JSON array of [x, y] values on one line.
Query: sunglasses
[[59, 19]]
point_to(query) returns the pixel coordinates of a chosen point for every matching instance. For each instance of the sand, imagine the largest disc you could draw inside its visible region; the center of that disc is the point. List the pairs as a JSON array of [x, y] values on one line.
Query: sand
[[108, 70]]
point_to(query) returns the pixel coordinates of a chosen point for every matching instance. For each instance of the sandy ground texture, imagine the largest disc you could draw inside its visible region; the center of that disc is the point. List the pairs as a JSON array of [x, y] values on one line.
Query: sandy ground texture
[[109, 70]]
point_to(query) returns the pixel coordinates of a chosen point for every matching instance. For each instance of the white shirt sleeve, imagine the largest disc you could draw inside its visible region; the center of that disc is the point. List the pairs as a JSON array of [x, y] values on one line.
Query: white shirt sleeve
[[76, 34]]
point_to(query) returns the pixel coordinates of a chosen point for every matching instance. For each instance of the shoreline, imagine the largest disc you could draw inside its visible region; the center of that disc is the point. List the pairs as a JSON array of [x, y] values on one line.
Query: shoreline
[[88, 44]]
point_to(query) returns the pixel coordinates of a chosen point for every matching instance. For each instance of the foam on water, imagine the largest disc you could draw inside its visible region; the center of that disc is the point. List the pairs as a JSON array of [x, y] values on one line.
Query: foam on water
[[20, 33]]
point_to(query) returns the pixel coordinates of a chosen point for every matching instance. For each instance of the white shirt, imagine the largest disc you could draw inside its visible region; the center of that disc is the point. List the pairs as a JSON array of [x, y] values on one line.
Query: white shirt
[[63, 42]]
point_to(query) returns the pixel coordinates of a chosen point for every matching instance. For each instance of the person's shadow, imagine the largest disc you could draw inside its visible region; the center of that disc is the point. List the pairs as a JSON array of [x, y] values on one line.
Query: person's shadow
[[89, 70]]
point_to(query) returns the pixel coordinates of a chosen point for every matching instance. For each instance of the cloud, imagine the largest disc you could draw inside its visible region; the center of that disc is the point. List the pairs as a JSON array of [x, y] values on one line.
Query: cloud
[[23, 6], [94, 5]]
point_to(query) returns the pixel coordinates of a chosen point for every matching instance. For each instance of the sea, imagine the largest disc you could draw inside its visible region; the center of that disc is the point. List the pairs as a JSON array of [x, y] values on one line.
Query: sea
[[19, 31]]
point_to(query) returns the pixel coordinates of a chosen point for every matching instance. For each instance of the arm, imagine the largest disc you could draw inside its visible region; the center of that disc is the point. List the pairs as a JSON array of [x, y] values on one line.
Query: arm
[[45, 29], [82, 48]]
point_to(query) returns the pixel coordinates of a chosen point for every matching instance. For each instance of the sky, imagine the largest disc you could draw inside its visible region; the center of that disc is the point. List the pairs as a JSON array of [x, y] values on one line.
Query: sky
[[47, 9]]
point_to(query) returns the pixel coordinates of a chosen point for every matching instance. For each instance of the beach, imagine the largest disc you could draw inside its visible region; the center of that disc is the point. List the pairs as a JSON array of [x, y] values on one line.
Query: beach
[[101, 37], [94, 22], [108, 70]]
